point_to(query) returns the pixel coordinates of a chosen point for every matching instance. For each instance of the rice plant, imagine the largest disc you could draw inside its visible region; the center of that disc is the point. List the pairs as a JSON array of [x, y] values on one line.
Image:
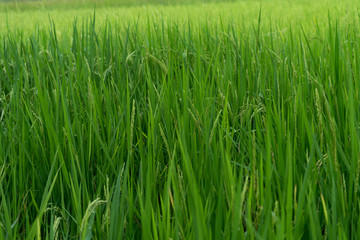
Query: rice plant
[[181, 122]]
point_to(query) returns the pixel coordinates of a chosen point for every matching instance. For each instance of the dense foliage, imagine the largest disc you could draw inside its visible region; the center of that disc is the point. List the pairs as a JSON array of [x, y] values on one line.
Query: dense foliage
[[194, 127]]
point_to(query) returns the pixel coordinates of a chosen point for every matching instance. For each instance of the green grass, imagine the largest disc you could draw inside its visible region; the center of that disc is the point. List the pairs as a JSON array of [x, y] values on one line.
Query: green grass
[[31, 5], [196, 121]]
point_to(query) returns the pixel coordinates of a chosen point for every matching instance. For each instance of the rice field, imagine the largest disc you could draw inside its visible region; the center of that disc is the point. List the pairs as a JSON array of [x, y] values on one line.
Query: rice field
[[180, 120]]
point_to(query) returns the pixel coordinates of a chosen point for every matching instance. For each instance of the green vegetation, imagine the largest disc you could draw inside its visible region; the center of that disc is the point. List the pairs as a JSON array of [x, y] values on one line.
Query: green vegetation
[[24, 5], [235, 120]]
